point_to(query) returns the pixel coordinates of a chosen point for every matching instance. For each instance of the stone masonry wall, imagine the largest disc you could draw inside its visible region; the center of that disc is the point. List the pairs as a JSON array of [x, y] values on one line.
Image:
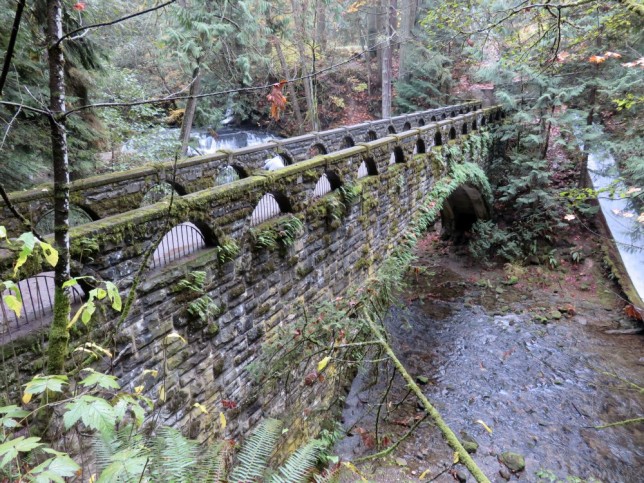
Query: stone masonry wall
[[258, 289]]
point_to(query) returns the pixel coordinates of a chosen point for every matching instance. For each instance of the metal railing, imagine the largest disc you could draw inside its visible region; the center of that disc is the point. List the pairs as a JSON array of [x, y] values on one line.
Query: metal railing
[[322, 187], [183, 240], [267, 208], [37, 295]]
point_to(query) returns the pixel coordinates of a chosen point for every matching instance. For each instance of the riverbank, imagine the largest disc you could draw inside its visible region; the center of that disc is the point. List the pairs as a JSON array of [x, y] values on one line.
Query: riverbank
[[539, 356]]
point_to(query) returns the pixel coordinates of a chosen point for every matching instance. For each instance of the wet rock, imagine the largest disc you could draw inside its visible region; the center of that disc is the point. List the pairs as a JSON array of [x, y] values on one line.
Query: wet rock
[[461, 476], [469, 443], [505, 474], [514, 461]]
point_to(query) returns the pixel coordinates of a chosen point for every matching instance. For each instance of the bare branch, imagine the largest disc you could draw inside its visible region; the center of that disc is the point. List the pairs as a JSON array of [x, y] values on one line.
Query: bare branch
[[25, 107], [12, 43], [17, 214], [113, 22]]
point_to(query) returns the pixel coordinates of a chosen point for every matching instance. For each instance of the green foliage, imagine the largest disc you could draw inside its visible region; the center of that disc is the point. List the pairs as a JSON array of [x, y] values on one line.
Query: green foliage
[[257, 449], [203, 308], [299, 465], [227, 251], [280, 233]]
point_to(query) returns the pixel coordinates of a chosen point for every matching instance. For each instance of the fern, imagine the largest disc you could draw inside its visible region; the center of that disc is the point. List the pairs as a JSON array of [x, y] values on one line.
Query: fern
[[300, 464], [173, 456], [253, 458]]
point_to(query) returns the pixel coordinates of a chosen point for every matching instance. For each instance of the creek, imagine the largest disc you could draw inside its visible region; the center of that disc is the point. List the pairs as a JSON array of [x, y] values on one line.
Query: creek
[[541, 362]]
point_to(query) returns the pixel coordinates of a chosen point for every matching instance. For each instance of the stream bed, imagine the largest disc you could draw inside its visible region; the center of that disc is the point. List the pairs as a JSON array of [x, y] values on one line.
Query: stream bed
[[540, 357]]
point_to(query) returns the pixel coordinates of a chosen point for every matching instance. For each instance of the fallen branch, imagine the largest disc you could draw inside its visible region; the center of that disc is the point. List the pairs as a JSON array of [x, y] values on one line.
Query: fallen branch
[[621, 423], [451, 438], [390, 449]]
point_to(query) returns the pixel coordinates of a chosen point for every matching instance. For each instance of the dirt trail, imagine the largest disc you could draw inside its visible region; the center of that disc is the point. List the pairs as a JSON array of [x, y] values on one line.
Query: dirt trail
[[541, 357]]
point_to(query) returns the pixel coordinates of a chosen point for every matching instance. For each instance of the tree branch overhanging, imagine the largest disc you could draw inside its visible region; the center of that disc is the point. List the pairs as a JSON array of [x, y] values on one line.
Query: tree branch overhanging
[[12, 43]]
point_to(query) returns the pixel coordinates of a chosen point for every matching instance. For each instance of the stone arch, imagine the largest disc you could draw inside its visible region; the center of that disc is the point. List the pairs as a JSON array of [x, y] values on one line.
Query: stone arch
[[438, 138], [421, 122], [461, 210], [443, 116], [229, 173], [452, 133], [464, 128], [37, 295], [483, 121], [347, 142], [406, 126], [181, 241], [367, 168], [317, 149], [497, 117], [452, 114], [328, 182], [419, 148], [502, 114], [271, 205], [397, 155], [474, 126], [371, 136], [391, 129], [433, 119], [157, 193], [77, 216]]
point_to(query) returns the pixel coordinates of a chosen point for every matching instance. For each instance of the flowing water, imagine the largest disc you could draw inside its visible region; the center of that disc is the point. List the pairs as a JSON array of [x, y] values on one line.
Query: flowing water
[[484, 356]]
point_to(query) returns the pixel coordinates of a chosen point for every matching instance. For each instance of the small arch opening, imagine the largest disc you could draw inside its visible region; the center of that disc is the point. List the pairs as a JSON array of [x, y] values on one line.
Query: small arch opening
[[420, 146], [443, 116], [498, 116], [270, 206], [367, 168], [228, 174], [406, 126], [347, 142], [464, 128], [397, 155], [391, 129], [371, 136], [452, 114], [438, 139], [483, 121], [328, 182], [474, 126], [452, 133], [421, 122], [433, 119], [179, 242], [77, 216], [37, 295], [317, 149], [278, 161]]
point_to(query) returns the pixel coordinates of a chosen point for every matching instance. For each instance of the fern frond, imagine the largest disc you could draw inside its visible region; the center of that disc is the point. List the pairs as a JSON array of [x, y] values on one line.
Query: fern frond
[[253, 458], [330, 475], [211, 467], [299, 465], [173, 457]]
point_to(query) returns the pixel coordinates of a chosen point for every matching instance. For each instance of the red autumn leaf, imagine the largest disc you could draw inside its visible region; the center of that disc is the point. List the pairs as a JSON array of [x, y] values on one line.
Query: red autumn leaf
[[596, 59], [277, 100], [311, 378], [228, 404], [79, 6], [632, 312], [470, 42]]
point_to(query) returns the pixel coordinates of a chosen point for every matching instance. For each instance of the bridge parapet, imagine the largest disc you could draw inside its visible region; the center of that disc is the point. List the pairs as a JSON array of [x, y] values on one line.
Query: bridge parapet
[[110, 194]]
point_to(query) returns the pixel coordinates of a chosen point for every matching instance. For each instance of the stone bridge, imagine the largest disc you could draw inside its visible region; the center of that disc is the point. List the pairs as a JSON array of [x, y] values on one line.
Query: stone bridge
[[255, 250]]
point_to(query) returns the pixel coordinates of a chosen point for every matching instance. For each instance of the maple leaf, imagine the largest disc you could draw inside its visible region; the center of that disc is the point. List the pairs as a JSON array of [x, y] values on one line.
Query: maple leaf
[[614, 55], [277, 100], [79, 6], [596, 59]]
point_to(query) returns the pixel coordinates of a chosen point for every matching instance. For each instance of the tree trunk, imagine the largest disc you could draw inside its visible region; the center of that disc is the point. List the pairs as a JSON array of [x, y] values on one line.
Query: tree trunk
[[191, 107], [291, 88], [299, 9], [407, 23], [320, 26], [386, 64], [58, 332]]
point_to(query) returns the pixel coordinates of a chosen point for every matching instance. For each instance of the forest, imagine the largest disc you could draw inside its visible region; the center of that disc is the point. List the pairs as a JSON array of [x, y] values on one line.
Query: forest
[[91, 88]]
